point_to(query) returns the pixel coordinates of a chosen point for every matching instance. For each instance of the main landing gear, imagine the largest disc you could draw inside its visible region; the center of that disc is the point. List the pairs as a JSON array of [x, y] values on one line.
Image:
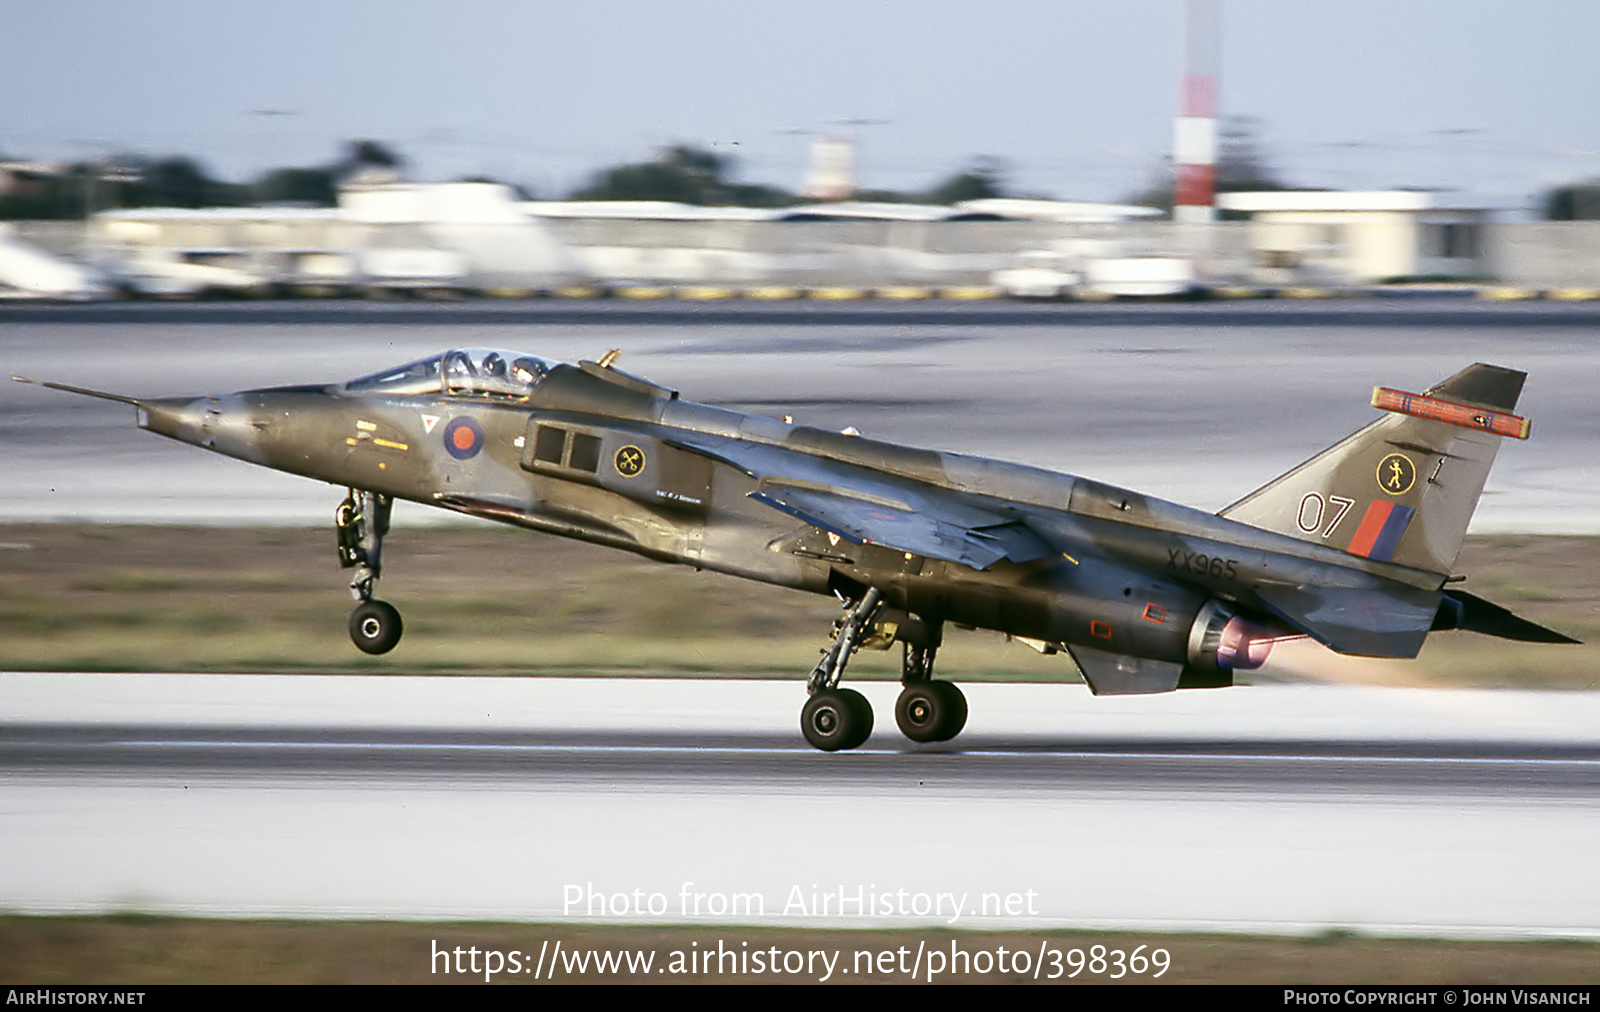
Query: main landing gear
[[361, 521], [928, 710], [835, 718]]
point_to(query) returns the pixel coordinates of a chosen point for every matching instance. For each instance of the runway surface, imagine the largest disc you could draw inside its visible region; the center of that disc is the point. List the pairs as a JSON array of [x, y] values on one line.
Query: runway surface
[[1199, 403], [1288, 809]]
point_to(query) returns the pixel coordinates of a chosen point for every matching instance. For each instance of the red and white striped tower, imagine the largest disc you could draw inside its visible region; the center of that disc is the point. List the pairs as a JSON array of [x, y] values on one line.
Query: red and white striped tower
[[1194, 143]]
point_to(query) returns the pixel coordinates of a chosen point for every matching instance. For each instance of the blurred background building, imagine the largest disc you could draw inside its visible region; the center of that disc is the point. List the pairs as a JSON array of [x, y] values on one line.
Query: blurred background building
[[1215, 216]]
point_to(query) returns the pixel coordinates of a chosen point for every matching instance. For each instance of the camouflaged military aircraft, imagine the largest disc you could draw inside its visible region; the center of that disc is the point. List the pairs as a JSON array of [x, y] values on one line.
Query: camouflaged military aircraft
[[1353, 548]]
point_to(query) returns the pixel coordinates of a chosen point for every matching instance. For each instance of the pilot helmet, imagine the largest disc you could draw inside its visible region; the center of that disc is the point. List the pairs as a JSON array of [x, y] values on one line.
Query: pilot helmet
[[527, 371]]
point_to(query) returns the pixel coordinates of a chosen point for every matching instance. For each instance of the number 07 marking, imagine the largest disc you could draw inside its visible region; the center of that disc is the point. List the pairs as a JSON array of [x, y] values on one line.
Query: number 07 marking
[[1313, 508]]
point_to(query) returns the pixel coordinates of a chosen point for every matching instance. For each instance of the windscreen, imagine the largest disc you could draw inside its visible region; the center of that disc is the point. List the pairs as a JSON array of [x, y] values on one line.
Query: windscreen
[[471, 372]]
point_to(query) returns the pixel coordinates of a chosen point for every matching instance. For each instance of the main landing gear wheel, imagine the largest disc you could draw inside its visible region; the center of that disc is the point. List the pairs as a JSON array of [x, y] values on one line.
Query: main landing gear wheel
[[375, 627], [835, 719], [931, 711]]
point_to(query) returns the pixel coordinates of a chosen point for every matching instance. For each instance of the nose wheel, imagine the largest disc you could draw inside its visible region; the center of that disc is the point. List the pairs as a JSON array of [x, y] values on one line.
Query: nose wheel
[[361, 522], [375, 627]]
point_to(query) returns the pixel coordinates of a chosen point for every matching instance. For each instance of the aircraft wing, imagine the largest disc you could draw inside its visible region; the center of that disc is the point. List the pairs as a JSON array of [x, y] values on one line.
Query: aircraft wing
[[864, 506], [978, 542]]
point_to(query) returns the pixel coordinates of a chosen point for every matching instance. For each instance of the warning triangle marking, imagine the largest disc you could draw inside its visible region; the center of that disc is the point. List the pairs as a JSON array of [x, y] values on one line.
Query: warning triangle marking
[[428, 422]]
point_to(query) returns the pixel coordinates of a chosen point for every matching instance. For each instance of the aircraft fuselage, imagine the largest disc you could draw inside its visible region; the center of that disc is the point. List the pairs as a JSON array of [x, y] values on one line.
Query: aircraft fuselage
[[1353, 547], [1126, 573]]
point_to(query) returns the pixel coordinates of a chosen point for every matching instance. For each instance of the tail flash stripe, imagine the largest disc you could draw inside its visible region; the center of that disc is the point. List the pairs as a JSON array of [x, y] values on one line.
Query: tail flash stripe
[[1381, 529], [1393, 530], [1371, 526]]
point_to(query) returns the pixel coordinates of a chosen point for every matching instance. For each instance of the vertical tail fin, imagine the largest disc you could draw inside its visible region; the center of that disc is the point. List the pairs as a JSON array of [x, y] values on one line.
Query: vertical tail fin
[[1404, 488]]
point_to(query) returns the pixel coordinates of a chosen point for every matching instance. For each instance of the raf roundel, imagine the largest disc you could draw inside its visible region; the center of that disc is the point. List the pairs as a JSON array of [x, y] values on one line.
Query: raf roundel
[[463, 438]]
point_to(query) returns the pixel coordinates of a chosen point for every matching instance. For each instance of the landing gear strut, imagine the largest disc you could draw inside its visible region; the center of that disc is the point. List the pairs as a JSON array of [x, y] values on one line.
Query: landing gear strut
[[835, 718], [928, 710], [361, 521]]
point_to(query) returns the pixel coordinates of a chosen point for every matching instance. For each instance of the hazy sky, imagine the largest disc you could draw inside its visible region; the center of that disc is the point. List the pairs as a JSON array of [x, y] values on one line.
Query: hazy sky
[[1494, 98]]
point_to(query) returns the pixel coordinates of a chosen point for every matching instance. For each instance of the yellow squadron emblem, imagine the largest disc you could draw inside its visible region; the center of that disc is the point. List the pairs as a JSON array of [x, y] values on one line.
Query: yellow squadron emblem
[[629, 461], [1396, 474]]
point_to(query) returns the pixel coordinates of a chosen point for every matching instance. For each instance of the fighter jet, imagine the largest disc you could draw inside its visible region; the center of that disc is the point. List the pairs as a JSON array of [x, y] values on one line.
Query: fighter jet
[[1354, 548]]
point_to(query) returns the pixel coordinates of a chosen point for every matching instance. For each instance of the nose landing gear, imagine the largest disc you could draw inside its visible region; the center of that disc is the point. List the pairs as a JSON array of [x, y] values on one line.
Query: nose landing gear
[[361, 521], [375, 626]]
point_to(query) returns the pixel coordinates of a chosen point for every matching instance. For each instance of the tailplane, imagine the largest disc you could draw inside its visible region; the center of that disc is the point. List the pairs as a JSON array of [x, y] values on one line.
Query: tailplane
[[1404, 488]]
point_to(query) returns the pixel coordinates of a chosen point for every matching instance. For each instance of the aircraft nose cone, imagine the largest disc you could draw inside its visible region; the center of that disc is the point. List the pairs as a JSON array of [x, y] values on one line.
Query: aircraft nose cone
[[180, 418], [223, 424]]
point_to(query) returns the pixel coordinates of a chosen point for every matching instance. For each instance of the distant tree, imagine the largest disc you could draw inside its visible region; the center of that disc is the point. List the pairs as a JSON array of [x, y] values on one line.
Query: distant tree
[[758, 195], [983, 179], [1241, 163], [368, 161], [522, 192], [697, 162], [1574, 202], [84, 188], [645, 181], [888, 197], [318, 185], [683, 174], [43, 196], [1157, 191], [177, 181], [363, 154], [680, 174], [315, 186]]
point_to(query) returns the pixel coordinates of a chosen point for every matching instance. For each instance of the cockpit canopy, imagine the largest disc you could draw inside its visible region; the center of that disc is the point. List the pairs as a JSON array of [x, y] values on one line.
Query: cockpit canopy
[[469, 372]]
